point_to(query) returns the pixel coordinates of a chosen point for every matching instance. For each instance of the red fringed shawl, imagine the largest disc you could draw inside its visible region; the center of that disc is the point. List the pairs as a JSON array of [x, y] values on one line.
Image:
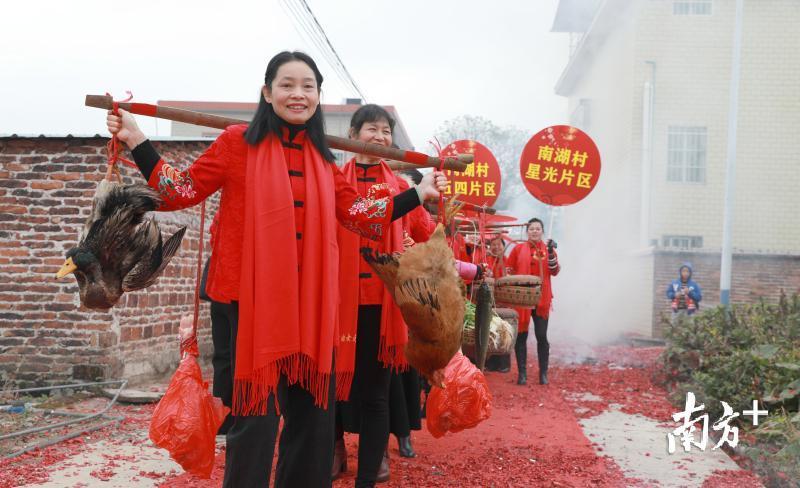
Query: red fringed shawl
[[393, 334], [287, 317]]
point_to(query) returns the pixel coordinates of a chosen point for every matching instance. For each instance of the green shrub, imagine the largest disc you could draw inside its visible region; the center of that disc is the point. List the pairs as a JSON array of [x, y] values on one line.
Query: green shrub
[[737, 355]]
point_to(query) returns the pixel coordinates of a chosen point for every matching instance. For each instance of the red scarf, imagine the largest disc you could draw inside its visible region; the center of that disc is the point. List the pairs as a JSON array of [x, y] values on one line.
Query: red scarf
[[394, 334], [287, 319], [497, 265], [527, 264]]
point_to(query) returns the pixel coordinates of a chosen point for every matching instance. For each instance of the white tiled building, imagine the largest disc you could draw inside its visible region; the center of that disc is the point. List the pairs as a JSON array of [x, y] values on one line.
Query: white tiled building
[[649, 81]]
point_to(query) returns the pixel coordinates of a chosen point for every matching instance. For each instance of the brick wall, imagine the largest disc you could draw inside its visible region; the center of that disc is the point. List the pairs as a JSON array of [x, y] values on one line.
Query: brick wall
[[755, 277], [46, 337]]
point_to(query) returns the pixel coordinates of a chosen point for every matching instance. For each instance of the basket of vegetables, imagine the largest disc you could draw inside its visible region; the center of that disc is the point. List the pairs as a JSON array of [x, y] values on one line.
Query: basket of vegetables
[[502, 330]]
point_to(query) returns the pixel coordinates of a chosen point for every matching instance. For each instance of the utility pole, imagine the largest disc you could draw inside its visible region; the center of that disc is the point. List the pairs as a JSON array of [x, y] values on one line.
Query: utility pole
[[730, 167]]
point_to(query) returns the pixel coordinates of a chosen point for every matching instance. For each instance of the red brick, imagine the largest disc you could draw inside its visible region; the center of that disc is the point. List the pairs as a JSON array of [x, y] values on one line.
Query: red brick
[[13, 252], [65, 176], [47, 185], [14, 209]]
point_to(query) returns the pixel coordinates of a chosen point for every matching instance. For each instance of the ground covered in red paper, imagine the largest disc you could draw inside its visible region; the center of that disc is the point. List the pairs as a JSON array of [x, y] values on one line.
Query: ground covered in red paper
[[533, 438], [35, 466]]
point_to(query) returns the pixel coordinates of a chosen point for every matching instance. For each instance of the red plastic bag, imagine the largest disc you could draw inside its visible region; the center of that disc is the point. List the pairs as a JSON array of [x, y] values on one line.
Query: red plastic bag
[[464, 402], [186, 420]]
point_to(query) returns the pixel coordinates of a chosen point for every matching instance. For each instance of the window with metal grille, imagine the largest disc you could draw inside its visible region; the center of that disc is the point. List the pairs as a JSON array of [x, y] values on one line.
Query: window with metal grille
[[694, 7], [686, 154], [682, 242]]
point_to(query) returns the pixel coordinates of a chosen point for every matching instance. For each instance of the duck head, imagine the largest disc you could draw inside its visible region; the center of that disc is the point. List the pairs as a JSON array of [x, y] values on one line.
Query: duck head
[[94, 290]]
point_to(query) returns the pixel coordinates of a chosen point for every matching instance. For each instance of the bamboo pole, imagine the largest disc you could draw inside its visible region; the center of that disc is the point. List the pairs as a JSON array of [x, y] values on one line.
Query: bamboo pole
[[219, 122], [400, 165]]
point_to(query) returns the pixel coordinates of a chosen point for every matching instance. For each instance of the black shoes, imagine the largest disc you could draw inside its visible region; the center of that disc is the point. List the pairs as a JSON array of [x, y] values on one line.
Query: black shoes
[[383, 471], [339, 459], [543, 378], [544, 362], [406, 449]]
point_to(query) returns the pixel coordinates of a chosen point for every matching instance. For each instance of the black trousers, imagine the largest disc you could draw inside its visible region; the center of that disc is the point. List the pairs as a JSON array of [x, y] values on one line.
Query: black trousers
[[367, 412], [542, 344], [222, 359], [305, 452], [404, 405]]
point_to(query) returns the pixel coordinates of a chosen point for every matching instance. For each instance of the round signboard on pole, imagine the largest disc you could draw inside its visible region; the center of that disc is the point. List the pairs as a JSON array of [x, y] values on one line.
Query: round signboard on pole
[[560, 165], [479, 184]]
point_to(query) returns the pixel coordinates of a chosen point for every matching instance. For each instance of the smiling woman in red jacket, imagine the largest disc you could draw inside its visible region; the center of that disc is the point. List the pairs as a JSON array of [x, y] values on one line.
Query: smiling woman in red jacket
[[373, 332], [276, 261]]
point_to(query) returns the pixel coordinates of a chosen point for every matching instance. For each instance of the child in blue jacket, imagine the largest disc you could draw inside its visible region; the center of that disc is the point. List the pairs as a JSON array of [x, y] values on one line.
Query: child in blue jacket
[[684, 293]]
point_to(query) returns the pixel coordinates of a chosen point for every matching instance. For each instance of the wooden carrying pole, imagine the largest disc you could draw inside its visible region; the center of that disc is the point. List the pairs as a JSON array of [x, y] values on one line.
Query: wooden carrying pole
[[400, 165], [499, 226], [459, 163]]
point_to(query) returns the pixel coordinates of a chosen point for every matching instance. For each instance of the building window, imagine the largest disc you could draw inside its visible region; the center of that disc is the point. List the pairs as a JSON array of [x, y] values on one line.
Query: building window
[[682, 242], [686, 154], [695, 7]]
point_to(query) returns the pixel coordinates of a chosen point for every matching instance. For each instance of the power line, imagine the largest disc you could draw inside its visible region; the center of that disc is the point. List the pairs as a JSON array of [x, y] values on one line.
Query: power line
[[307, 21], [341, 63], [318, 38], [306, 30]]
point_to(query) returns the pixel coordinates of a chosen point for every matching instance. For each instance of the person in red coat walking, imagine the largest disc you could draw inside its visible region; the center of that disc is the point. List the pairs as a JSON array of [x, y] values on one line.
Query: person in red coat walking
[[275, 261], [538, 258]]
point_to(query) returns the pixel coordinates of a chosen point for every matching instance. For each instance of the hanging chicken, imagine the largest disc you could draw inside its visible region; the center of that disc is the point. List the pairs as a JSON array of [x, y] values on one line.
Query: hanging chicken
[[118, 250], [426, 287]]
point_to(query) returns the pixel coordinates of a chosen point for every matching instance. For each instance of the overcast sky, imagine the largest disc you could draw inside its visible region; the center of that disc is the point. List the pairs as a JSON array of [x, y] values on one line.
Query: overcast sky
[[433, 60]]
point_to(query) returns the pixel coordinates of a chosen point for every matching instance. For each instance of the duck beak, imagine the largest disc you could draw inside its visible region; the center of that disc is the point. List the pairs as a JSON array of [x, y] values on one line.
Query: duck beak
[[68, 267]]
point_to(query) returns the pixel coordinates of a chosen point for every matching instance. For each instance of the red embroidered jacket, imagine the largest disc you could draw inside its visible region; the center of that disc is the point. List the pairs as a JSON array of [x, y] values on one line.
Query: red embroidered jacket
[[420, 227], [223, 166]]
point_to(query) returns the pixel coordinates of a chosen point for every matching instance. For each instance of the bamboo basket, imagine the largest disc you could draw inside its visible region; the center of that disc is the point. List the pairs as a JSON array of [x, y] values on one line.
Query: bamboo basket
[[518, 291]]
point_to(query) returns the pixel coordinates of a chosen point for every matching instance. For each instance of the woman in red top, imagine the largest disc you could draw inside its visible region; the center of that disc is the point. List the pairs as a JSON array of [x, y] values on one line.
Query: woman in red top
[[373, 334], [496, 268], [537, 258], [276, 261], [495, 261]]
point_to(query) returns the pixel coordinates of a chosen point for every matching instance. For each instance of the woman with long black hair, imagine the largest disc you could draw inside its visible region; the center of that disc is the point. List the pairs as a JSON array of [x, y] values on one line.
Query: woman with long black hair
[[275, 262]]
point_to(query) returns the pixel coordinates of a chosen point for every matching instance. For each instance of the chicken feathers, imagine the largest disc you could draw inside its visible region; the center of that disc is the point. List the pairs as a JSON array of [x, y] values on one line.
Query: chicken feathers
[[425, 286], [119, 250]]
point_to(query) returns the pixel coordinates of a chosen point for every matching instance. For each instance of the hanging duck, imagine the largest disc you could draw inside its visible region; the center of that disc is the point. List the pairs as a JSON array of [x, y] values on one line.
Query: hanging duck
[[119, 250]]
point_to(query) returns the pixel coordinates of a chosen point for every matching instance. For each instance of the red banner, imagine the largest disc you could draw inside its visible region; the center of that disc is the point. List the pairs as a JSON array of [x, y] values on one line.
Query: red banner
[[479, 184], [560, 165]]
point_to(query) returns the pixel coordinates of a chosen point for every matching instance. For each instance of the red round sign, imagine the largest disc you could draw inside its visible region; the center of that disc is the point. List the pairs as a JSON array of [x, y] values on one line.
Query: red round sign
[[560, 165], [479, 184]]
